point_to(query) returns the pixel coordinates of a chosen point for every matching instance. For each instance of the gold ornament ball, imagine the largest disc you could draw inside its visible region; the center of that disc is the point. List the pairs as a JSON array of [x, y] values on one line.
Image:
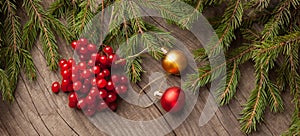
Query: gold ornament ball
[[174, 62]]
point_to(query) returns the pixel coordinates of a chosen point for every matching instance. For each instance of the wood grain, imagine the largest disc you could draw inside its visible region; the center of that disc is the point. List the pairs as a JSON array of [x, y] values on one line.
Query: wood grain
[[37, 111]]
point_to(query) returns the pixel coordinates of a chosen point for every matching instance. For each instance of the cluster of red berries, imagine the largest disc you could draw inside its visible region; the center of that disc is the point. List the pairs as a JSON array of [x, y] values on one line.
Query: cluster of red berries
[[90, 83]]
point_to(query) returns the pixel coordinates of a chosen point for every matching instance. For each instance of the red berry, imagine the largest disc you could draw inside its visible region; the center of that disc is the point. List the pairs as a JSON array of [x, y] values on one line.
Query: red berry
[[94, 92], [74, 44], [96, 69], [66, 74], [91, 63], [90, 100], [65, 66], [110, 86], [94, 56], [108, 50], [83, 41], [82, 65], [71, 62], [115, 79], [101, 83], [90, 112], [100, 75], [74, 69], [81, 104], [102, 94], [101, 106], [92, 47], [65, 82], [73, 97], [62, 62], [83, 50], [64, 88], [113, 106], [85, 73], [106, 72], [84, 89], [83, 57], [111, 97], [94, 82], [123, 89], [103, 59], [118, 90], [77, 85], [123, 80], [55, 87], [74, 77], [110, 58]]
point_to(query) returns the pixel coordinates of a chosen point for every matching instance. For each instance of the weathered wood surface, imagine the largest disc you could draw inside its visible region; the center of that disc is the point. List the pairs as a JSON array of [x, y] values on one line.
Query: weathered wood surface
[[37, 111]]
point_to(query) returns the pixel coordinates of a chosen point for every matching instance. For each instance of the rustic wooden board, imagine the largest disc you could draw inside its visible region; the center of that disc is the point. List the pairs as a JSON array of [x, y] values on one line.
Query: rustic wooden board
[[37, 111]]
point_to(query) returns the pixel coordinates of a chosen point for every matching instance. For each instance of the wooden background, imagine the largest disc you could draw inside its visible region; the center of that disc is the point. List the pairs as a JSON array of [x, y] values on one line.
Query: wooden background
[[37, 111]]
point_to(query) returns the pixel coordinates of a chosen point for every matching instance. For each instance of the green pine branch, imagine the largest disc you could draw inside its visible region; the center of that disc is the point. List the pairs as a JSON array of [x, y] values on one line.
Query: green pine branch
[[280, 18], [43, 30]]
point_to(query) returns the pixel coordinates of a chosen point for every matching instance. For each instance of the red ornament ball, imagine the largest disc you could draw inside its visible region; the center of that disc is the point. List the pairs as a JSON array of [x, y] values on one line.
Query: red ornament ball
[[173, 99]]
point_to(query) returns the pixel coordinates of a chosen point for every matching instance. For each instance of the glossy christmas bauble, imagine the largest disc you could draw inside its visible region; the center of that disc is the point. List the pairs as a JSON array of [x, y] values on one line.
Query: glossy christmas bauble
[[173, 99], [174, 62]]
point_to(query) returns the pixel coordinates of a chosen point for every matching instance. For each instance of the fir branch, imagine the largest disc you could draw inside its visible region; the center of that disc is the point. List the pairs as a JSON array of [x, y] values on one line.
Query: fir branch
[[84, 16], [224, 96], [252, 113], [232, 19], [281, 17], [13, 44], [28, 64], [259, 4], [35, 11], [7, 91], [274, 98], [206, 74]]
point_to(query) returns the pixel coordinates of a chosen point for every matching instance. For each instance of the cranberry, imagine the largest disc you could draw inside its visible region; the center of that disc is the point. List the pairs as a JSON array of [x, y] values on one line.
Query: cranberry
[[92, 47], [90, 100], [91, 63], [62, 62], [94, 93], [74, 44], [83, 41], [101, 83], [111, 97], [123, 89], [84, 89], [82, 65], [71, 62], [108, 50], [110, 86], [55, 87], [77, 85], [115, 79], [85, 73], [106, 72], [110, 58], [65, 66], [83, 50], [96, 69], [94, 82], [66, 74], [123, 80], [102, 94], [100, 75], [103, 59], [81, 104]]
